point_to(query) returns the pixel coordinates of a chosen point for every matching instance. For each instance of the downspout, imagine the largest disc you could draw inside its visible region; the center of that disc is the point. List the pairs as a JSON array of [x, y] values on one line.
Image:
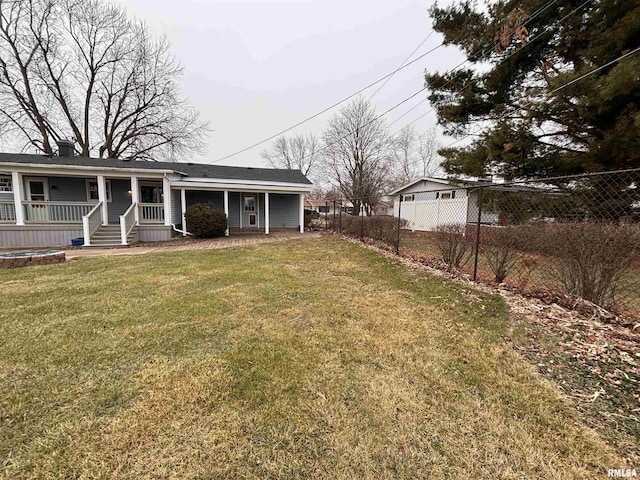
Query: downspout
[[181, 232]]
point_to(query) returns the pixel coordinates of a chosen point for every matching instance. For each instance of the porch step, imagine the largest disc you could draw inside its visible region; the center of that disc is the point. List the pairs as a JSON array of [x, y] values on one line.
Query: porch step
[[109, 236]]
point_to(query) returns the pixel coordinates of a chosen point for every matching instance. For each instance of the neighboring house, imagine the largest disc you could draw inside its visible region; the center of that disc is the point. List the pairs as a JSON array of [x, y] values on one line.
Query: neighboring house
[[324, 207], [317, 206], [428, 203], [384, 206], [49, 200]]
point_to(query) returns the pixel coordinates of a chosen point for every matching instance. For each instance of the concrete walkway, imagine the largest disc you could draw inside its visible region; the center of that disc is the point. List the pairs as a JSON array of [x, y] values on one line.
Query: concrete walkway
[[190, 244]]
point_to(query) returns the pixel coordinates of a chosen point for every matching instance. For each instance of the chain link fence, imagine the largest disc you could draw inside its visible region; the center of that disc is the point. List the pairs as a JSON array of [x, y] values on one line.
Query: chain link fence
[[565, 239]]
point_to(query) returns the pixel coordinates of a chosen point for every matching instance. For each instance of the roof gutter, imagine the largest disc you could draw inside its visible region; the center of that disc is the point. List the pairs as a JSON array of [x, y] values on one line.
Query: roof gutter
[[84, 167]]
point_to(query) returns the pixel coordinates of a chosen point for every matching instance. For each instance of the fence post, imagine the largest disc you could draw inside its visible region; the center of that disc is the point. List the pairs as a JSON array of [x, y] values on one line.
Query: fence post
[[399, 221], [326, 215], [333, 225], [340, 215], [361, 222], [475, 260]]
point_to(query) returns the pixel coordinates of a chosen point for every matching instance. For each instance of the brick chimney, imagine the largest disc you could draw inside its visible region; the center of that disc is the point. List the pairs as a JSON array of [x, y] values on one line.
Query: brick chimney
[[66, 148]]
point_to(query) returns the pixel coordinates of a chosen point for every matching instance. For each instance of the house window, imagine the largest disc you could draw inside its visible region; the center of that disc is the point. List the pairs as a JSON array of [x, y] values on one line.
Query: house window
[[407, 198], [446, 195], [250, 204], [92, 190], [151, 193], [5, 183]]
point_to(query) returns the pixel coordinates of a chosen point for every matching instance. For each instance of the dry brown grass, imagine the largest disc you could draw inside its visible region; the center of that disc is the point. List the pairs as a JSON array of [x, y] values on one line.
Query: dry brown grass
[[313, 359]]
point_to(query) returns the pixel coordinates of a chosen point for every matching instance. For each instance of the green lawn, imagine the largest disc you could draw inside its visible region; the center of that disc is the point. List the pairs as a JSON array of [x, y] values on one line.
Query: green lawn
[[302, 359]]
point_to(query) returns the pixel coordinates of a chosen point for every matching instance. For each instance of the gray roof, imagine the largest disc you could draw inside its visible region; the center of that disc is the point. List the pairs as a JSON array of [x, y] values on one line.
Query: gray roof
[[197, 170]]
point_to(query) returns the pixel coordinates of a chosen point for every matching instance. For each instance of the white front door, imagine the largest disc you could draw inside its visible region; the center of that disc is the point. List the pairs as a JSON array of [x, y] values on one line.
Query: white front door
[[250, 208], [37, 191]]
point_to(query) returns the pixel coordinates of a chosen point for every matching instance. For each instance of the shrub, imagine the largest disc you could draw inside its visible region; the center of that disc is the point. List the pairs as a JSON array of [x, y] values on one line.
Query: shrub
[[377, 227], [310, 220], [502, 251], [592, 258], [453, 246], [203, 220]]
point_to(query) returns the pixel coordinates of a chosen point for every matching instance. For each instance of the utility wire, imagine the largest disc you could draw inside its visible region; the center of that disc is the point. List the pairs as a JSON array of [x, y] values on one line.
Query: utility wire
[[403, 62], [474, 80], [566, 84], [329, 107], [483, 51], [595, 70], [507, 58], [385, 79]]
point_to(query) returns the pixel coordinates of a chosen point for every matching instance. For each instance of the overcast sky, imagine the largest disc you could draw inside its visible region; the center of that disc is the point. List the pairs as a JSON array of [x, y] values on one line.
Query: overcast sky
[[253, 68]]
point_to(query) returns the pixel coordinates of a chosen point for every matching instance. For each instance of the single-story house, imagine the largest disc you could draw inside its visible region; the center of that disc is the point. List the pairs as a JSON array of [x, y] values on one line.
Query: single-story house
[[429, 202], [324, 207], [317, 206], [49, 200], [384, 205]]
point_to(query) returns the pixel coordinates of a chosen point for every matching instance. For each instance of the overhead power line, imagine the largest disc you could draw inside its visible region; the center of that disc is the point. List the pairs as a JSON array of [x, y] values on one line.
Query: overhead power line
[[403, 62], [480, 52], [385, 79], [576, 9], [475, 80], [566, 84], [628, 54], [275, 135]]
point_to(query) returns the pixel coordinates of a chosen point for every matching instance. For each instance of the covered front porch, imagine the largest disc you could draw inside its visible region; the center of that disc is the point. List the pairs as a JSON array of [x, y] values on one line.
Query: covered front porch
[[113, 209], [55, 199], [246, 211], [53, 209]]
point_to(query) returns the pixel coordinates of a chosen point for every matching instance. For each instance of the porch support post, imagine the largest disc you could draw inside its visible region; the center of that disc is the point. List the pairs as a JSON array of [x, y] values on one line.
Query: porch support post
[[102, 197], [166, 192], [301, 213], [183, 208], [16, 186], [225, 196], [135, 198], [266, 213]]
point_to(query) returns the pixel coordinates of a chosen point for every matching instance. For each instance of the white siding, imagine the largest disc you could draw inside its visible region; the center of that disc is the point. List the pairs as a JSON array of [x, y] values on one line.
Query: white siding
[[487, 218], [430, 214]]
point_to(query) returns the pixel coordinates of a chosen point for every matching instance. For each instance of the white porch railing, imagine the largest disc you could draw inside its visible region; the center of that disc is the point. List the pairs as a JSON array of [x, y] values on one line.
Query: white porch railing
[[127, 222], [7, 211], [151, 212], [90, 222], [56, 212]]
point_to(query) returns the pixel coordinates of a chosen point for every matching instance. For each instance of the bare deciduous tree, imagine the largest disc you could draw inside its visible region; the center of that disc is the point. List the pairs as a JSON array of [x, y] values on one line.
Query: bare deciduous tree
[[414, 155], [357, 153], [300, 152], [428, 158], [82, 69], [403, 156]]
